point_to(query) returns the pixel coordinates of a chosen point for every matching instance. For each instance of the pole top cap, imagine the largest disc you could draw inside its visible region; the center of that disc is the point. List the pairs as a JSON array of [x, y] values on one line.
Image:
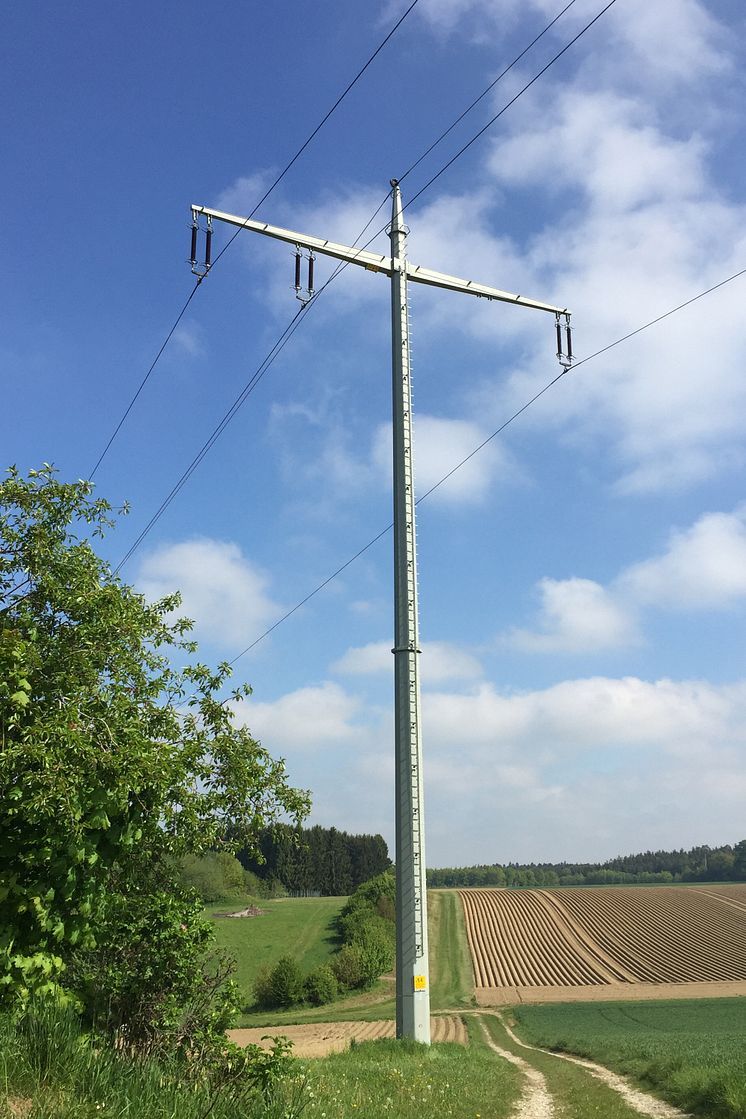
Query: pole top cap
[[394, 182]]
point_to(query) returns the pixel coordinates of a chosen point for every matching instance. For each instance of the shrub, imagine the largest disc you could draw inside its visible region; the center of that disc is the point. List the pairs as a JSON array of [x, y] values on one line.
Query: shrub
[[282, 986], [321, 985], [377, 952], [348, 968]]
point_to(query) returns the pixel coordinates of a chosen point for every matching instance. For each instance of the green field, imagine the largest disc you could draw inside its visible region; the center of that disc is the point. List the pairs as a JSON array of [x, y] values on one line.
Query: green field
[[692, 1052], [299, 927], [451, 981], [303, 928]]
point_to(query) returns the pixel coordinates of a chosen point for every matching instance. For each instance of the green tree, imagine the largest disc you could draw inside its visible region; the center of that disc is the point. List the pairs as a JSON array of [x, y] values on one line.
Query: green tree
[[114, 764]]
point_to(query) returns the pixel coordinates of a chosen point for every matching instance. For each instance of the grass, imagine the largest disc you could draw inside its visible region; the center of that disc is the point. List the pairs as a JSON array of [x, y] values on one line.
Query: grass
[[692, 1052], [451, 977], [49, 1069], [299, 927], [405, 1080]]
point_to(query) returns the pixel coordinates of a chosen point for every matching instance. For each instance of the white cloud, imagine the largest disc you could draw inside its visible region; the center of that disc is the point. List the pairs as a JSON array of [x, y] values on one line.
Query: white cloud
[[590, 714], [704, 566], [577, 616], [652, 230], [439, 445], [588, 768], [221, 589], [188, 339], [634, 34], [439, 661], [313, 717]]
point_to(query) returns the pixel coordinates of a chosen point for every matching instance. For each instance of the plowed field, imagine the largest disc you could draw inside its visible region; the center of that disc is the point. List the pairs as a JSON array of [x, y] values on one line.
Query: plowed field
[[319, 1039], [605, 942]]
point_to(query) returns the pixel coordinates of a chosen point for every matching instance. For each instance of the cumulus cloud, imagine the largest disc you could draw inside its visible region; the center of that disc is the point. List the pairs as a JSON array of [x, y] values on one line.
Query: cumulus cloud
[[578, 768], [439, 445], [225, 594], [704, 566], [314, 717], [587, 768], [439, 661], [576, 616]]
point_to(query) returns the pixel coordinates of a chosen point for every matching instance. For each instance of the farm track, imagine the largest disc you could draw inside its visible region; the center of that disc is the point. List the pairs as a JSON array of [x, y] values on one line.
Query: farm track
[[610, 938]]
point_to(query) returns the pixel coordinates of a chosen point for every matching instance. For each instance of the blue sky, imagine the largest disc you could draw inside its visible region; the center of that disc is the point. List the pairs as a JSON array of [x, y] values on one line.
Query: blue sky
[[583, 579]]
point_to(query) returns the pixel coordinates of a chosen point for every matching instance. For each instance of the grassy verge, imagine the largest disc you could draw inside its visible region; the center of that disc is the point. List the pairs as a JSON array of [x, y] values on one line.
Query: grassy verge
[[299, 927], [49, 1069], [405, 1080], [691, 1052], [451, 980]]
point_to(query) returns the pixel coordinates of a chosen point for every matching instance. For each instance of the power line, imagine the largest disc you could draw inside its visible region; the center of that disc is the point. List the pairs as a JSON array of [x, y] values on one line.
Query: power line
[[477, 449], [493, 119], [216, 432], [295, 322], [265, 196], [510, 103], [484, 92], [242, 397]]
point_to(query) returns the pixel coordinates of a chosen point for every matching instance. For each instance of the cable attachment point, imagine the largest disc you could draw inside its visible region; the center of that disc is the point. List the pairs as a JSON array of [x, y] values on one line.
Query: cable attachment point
[[200, 269], [301, 293], [564, 357]]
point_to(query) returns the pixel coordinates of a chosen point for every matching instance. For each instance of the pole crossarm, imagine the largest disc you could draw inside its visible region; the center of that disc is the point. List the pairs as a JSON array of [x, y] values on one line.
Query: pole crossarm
[[374, 262]]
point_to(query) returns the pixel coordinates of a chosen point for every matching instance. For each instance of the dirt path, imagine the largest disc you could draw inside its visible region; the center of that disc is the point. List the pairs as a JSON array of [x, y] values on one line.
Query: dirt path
[[536, 1102], [640, 1101]]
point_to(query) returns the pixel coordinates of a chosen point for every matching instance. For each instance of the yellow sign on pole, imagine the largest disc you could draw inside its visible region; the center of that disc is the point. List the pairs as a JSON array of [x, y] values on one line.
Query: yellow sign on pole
[[420, 982]]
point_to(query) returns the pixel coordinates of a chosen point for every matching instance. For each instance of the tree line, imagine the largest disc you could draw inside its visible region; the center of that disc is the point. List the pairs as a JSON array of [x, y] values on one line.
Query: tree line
[[699, 864], [316, 860]]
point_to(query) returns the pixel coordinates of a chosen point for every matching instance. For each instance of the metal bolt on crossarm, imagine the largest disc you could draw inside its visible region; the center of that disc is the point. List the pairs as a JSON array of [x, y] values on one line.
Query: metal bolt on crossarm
[[412, 971]]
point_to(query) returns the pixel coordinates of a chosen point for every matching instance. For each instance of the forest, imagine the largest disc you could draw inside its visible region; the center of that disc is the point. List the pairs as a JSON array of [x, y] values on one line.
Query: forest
[[699, 864], [316, 860]]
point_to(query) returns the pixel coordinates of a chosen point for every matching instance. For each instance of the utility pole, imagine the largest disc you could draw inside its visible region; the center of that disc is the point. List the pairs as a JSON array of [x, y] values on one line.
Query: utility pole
[[412, 971]]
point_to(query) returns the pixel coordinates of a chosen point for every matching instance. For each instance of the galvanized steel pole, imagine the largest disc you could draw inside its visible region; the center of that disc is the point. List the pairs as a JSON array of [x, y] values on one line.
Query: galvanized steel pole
[[412, 976]]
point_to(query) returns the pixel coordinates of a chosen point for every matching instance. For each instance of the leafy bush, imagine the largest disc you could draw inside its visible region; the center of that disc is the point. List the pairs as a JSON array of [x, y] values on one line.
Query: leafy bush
[[214, 875], [282, 986], [321, 985], [366, 925], [348, 967], [114, 766]]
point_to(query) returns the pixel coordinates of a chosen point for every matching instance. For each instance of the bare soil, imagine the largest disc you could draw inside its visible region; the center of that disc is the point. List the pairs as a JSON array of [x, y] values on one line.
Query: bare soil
[[605, 943], [616, 992], [318, 1039]]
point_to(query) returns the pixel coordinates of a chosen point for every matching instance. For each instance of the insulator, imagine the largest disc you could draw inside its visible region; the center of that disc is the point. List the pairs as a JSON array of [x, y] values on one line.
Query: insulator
[[208, 247], [568, 332], [297, 269], [559, 339], [193, 257], [310, 273]]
